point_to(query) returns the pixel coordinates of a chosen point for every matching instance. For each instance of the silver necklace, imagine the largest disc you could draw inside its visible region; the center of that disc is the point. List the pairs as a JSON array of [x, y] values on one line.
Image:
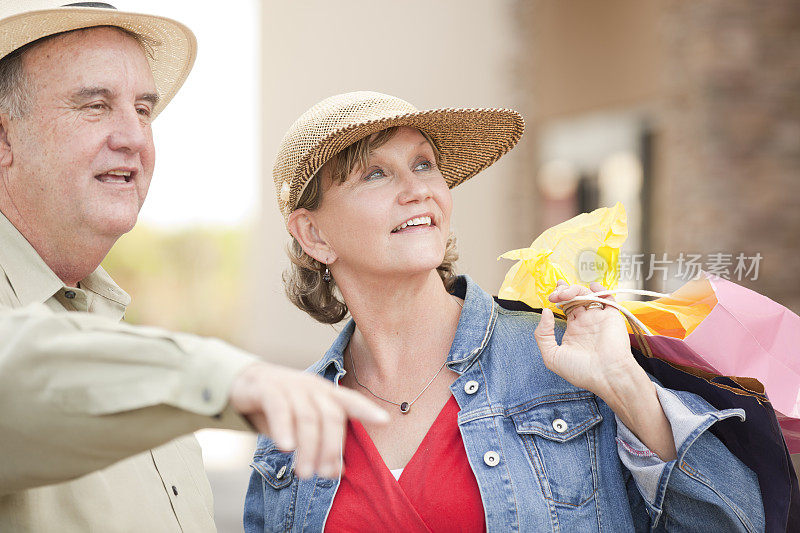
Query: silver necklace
[[405, 407]]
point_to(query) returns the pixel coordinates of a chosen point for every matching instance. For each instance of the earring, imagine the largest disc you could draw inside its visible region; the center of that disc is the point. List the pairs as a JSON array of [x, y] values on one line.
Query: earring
[[326, 276]]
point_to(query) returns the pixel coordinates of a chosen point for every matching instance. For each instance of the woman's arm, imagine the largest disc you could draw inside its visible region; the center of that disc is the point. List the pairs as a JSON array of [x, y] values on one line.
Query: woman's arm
[[681, 474]]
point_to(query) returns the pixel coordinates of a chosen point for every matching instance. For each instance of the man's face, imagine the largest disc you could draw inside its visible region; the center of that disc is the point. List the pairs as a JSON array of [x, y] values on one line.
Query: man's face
[[83, 156]]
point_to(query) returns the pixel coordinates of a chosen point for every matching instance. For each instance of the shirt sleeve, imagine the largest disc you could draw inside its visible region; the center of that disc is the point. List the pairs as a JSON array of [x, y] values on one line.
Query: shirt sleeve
[[706, 484], [79, 392]]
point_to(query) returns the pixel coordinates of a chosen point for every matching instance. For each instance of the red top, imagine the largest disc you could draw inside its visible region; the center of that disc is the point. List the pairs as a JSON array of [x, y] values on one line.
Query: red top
[[436, 492]]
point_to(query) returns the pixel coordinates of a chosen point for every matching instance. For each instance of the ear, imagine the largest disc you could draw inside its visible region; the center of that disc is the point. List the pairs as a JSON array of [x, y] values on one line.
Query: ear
[[6, 156], [303, 228]]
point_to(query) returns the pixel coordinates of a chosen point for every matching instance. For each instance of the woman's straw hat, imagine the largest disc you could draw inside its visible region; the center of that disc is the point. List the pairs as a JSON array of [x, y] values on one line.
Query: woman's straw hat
[[173, 45], [468, 140]]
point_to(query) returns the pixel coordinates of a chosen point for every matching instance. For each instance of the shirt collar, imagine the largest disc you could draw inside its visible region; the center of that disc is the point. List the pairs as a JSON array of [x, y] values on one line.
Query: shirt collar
[[29, 276], [100, 283], [34, 282], [478, 317]]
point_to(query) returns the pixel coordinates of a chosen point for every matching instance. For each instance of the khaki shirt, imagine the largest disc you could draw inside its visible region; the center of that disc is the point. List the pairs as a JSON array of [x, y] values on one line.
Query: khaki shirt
[[87, 404]]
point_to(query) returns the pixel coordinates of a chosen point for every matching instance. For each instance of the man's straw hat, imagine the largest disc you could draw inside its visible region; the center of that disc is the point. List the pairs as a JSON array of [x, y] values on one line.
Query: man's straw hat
[[174, 46], [468, 140]]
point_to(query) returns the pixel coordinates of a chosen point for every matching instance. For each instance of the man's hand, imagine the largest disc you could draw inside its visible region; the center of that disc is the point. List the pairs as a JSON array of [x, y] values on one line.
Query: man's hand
[[301, 411]]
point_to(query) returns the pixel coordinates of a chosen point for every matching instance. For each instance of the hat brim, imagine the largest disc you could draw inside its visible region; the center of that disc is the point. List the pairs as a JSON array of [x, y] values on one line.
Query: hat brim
[[468, 140], [173, 54]]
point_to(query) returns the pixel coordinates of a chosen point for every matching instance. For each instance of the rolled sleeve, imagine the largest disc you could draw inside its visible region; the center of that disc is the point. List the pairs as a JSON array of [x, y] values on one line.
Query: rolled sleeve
[[705, 476]]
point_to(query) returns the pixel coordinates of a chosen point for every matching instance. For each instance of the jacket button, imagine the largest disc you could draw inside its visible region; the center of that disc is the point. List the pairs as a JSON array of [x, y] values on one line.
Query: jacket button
[[69, 294], [491, 458], [471, 387], [281, 472], [559, 425]]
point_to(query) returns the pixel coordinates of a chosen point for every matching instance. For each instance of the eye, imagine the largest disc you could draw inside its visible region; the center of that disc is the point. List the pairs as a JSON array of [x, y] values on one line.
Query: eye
[[423, 165], [144, 111], [96, 106], [375, 174]]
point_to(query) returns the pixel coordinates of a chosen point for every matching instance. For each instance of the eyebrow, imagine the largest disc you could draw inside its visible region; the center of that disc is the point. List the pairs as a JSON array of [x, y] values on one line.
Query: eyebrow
[[87, 93]]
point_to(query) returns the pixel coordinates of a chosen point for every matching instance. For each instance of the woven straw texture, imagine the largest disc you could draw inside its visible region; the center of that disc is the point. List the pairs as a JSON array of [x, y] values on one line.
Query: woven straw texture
[[469, 140], [174, 50]]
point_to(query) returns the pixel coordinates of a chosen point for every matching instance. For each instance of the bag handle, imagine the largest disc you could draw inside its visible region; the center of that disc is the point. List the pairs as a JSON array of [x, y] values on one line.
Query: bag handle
[[640, 331]]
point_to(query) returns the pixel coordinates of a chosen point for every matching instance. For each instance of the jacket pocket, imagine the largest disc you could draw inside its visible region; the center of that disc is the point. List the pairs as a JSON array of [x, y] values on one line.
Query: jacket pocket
[[560, 438], [278, 485]]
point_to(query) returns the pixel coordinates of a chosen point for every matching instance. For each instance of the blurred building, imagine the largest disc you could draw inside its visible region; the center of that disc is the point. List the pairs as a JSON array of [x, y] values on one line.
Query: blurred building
[[688, 112], [690, 109]]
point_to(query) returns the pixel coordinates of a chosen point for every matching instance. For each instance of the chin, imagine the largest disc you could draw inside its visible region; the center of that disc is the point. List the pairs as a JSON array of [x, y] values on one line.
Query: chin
[[117, 225], [421, 264]]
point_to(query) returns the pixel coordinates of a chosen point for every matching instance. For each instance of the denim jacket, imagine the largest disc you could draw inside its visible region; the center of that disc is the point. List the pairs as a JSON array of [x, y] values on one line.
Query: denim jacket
[[547, 455]]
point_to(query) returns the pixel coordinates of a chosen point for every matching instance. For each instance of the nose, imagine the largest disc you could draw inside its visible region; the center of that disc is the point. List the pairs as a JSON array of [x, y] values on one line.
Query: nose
[[130, 134], [413, 188]]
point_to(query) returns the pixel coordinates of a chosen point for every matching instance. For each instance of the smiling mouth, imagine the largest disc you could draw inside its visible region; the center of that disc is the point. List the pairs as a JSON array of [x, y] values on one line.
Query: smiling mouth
[[115, 176], [414, 222]]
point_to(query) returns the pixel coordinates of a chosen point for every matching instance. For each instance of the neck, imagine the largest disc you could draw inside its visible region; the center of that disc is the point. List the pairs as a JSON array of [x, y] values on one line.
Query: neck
[[402, 325], [70, 255]]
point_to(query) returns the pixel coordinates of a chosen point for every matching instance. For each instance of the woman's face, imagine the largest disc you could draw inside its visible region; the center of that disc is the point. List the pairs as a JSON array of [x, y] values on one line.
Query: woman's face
[[392, 217]]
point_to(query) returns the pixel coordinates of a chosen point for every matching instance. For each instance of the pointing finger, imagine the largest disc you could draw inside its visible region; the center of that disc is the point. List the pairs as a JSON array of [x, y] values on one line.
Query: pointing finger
[[357, 406], [280, 421]]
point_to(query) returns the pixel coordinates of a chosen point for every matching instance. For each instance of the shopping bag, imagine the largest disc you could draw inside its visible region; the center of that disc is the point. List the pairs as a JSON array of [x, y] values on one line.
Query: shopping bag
[[743, 334], [733, 347], [729, 330], [757, 441], [555, 255]]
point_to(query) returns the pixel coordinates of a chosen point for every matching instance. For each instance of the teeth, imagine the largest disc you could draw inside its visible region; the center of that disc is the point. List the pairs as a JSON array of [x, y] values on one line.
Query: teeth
[[119, 173], [419, 221], [110, 178]]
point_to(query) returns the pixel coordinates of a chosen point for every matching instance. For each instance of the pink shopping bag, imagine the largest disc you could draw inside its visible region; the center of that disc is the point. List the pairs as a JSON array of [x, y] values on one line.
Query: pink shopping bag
[[744, 334]]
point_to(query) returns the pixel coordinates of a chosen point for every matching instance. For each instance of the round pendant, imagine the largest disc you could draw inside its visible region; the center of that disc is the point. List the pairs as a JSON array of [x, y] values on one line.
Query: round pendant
[[404, 407]]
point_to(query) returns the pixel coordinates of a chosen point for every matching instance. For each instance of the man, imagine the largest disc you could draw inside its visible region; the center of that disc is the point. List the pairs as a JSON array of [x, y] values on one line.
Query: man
[[83, 398]]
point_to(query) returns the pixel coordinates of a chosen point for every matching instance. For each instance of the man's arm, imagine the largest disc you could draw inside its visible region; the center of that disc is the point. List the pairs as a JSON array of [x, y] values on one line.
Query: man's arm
[[79, 392]]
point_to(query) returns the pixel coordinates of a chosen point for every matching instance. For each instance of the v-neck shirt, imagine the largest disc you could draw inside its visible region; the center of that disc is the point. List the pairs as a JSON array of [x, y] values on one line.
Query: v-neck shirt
[[436, 491]]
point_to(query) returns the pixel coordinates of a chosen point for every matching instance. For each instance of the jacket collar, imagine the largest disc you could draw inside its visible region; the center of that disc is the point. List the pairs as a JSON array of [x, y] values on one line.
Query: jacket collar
[[474, 330]]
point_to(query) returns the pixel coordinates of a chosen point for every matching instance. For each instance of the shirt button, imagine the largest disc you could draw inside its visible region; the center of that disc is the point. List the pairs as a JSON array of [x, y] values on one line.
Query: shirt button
[[69, 294], [491, 458], [471, 387], [281, 472], [174, 490], [206, 395], [559, 425]]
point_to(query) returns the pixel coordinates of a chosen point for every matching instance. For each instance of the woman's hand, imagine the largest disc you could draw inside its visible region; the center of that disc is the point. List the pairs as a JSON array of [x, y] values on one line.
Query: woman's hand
[[595, 354], [595, 351]]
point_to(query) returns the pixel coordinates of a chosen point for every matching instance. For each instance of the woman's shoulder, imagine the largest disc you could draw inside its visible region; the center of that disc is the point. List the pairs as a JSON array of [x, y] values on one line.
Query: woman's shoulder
[[520, 320]]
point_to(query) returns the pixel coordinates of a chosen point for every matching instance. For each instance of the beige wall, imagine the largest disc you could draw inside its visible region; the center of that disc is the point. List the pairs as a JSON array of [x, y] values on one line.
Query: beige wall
[[433, 54], [583, 55], [579, 60]]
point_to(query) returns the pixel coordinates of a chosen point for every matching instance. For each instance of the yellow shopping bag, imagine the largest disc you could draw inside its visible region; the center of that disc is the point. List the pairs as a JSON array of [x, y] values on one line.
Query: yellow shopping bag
[[585, 249]]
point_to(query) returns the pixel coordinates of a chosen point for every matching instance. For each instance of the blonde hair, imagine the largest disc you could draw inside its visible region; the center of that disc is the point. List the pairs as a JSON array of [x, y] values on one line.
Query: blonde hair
[[303, 281]]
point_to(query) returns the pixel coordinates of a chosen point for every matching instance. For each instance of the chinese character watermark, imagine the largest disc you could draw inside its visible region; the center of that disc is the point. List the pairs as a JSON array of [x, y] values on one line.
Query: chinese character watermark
[[684, 266]]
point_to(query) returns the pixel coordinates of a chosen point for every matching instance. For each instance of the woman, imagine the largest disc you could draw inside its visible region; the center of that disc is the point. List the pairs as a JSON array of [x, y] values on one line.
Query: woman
[[489, 429]]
